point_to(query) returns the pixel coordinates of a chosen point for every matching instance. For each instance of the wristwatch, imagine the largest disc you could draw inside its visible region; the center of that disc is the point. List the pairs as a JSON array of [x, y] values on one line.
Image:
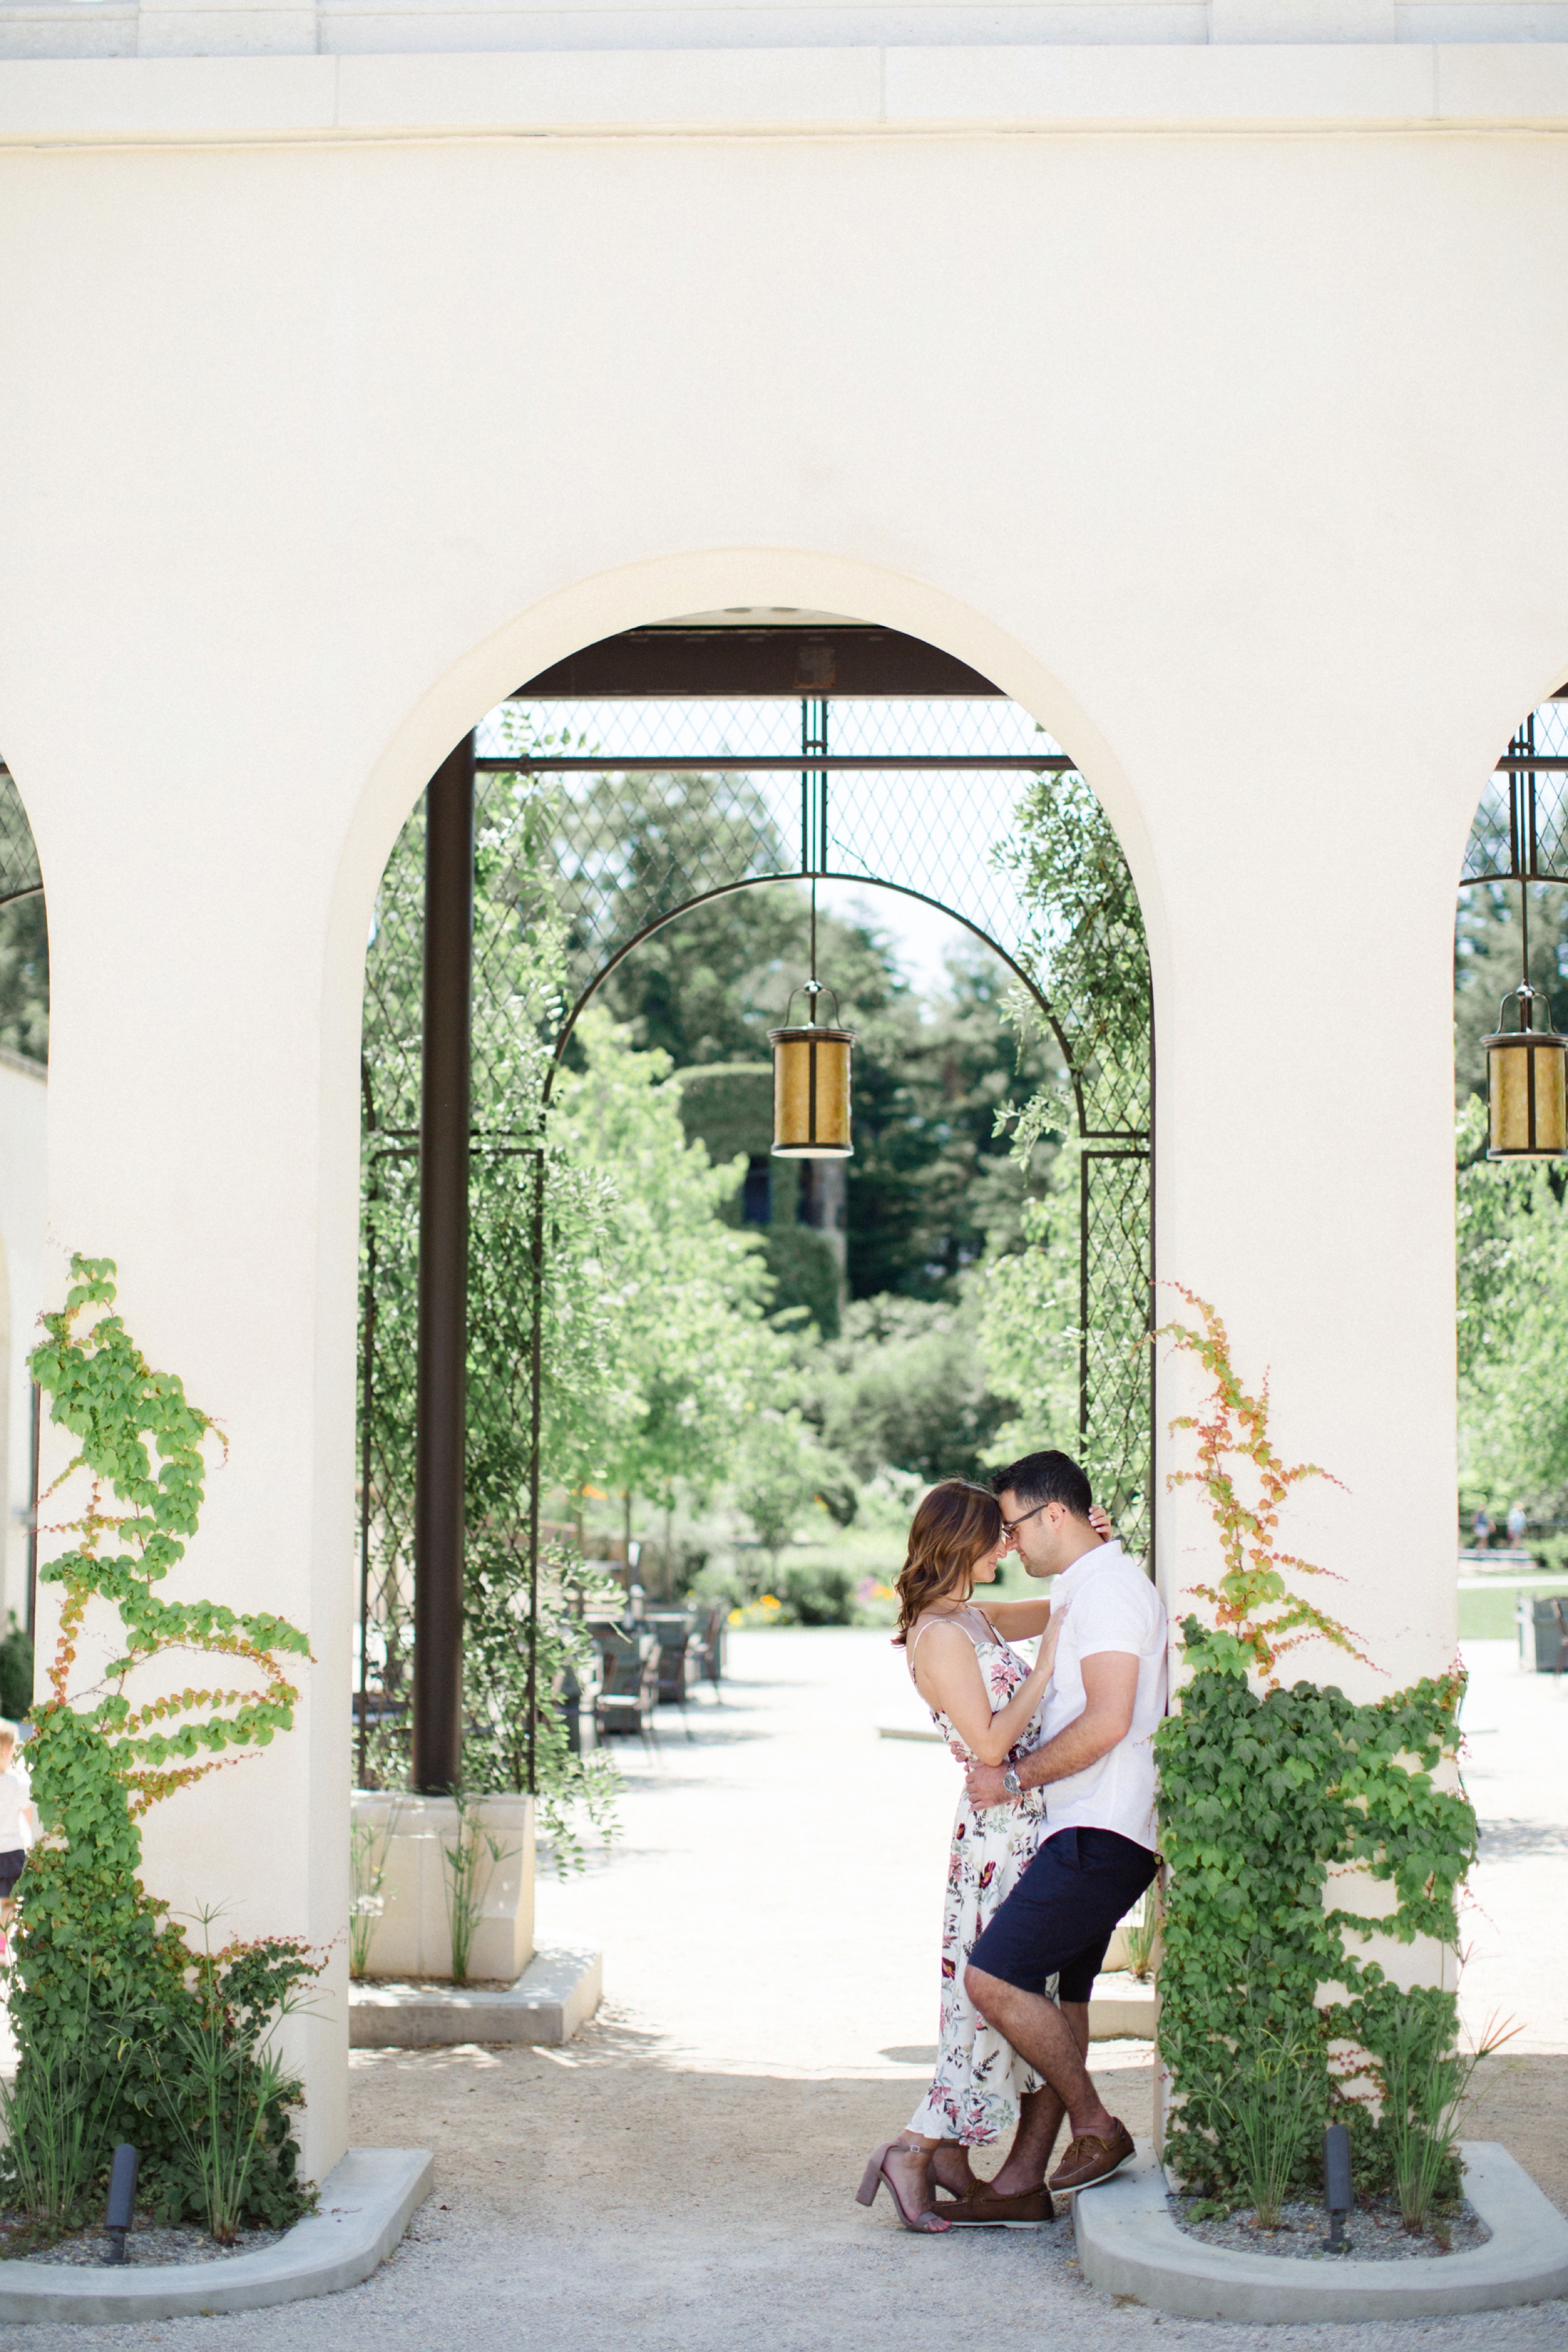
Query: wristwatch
[[1010, 1782]]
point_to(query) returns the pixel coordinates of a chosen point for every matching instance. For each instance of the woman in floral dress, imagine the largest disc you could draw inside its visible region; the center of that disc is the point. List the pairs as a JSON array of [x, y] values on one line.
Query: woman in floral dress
[[985, 1703]]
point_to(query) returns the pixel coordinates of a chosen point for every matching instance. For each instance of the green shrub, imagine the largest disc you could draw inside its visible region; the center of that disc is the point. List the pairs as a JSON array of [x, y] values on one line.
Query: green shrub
[[1261, 1794], [1256, 2100], [906, 1385], [16, 1671], [818, 1596], [117, 2020]]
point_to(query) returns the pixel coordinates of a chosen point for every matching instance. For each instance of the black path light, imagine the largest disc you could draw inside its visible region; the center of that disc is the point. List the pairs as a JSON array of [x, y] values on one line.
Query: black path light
[[1337, 2192], [122, 2199], [811, 1075], [1527, 1073]]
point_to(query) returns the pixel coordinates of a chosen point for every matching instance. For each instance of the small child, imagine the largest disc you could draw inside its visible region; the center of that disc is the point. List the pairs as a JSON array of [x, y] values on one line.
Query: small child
[[18, 1822]]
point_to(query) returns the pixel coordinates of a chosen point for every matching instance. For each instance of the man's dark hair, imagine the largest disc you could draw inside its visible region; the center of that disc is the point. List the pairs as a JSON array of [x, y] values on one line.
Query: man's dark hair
[[1046, 1478]]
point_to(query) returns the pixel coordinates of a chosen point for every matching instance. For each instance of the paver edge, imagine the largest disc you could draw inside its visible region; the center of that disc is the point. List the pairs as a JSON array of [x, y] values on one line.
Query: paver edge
[[366, 2202], [566, 1989], [1127, 2244]]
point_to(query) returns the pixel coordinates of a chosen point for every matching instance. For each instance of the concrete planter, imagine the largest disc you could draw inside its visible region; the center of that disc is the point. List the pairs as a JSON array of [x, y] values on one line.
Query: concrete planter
[[409, 1840], [367, 2201], [1129, 2245]]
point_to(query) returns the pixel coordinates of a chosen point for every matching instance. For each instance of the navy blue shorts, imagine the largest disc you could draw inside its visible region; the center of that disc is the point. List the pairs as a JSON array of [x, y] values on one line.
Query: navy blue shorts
[[1059, 1918]]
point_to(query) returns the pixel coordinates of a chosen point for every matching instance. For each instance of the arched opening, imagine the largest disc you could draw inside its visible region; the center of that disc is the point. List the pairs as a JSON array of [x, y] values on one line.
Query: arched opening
[[23, 1063], [1512, 933], [655, 780]]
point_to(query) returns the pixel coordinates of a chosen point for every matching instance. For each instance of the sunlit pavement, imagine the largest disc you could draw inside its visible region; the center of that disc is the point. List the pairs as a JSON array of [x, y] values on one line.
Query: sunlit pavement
[[1513, 1924], [774, 1901], [680, 2178], [786, 1846]]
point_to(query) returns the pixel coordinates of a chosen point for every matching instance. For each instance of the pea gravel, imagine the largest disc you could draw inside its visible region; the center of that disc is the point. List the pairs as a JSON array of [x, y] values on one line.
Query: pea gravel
[[1372, 2235], [146, 2246]]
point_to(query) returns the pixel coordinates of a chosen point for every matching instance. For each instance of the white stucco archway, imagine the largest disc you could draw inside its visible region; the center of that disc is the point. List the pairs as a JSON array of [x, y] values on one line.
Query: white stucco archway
[[1144, 381]]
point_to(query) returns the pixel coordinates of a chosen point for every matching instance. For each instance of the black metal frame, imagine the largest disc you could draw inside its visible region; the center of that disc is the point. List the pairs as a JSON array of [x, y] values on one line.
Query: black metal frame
[[441, 1423], [438, 1570]]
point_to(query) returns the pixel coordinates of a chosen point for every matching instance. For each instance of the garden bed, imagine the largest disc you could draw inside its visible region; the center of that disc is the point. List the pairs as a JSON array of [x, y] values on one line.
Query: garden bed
[[147, 2243], [1129, 2243], [1374, 2233], [365, 2206]]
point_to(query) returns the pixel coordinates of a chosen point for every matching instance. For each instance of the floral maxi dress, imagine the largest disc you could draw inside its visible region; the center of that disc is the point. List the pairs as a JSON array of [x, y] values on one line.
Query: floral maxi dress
[[980, 2077]]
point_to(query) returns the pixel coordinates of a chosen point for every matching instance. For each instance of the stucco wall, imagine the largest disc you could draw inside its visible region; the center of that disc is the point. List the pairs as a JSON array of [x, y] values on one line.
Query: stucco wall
[[1235, 454]]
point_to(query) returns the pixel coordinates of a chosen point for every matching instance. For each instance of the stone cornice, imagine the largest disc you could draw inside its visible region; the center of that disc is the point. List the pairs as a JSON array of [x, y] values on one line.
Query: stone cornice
[[795, 91]]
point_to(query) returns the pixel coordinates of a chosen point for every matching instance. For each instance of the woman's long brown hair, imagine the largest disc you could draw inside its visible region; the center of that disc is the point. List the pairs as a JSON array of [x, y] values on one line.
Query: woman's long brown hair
[[954, 1526]]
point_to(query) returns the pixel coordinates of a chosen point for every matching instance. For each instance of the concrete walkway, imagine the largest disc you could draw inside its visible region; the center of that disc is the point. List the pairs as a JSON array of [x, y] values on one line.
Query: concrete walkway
[[1514, 1923], [680, 2179]]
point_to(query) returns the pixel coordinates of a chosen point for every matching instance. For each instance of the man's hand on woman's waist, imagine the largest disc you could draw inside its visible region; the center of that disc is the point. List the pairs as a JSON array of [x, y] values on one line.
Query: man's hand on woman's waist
[[1110, 1691]]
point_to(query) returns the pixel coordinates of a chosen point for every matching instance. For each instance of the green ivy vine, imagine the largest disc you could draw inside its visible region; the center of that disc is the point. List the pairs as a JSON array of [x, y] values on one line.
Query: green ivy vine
[[104, 1985], [1264, 1791]]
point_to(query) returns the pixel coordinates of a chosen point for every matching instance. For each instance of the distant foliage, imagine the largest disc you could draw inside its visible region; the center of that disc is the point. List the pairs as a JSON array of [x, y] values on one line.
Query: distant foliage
[[1073, 1302], [520, 967], [933, 1183], [1512, 1327], [1087, 951], [905, 1384], [16, 1671], [23, 938], [655, 1347]]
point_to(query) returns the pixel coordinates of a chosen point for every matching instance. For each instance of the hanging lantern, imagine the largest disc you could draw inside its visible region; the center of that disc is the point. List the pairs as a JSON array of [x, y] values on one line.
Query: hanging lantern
[[811, 1084], [1526, 1099]]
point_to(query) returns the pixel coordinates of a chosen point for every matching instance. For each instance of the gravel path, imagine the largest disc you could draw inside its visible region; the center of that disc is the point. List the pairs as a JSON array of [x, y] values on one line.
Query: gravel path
[[681, 2177]]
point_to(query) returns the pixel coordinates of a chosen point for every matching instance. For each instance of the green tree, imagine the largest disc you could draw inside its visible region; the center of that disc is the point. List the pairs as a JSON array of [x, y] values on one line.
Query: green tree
[[685, 1295], [1088, 954], [25, 977], [932, 1180], [520, 961], [904, 1385], [780, 1479], [109, 2004], [1028, 1303], [1513, 1267]]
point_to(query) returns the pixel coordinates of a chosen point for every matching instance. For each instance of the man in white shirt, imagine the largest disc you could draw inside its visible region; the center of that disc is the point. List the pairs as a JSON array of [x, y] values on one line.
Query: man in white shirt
[[1102, 1705]]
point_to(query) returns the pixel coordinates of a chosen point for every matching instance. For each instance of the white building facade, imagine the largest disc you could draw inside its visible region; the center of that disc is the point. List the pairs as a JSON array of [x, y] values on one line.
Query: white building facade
[[1195, 371]]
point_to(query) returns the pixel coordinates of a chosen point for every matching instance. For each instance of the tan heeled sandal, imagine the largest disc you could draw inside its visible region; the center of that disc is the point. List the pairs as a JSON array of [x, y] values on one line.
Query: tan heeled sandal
[[924, 2223]]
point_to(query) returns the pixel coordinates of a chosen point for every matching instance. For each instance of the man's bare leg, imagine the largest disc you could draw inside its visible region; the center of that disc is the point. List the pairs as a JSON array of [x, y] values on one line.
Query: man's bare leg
[[1043, 2033], [949, 2168], [1039, 2121]]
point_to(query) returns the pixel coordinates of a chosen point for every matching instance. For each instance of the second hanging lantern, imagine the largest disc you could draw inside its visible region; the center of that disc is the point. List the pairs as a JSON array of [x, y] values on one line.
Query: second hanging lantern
[[1527, 1097], [811, 1083]]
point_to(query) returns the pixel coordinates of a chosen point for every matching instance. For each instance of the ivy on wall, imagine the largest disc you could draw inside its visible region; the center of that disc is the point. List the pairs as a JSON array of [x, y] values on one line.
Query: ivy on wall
[[108, 2000], [1265, 1791]]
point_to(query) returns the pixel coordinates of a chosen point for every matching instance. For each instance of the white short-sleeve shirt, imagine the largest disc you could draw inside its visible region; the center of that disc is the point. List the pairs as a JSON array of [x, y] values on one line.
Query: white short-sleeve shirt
[[1107, 1602], [15, 1798]]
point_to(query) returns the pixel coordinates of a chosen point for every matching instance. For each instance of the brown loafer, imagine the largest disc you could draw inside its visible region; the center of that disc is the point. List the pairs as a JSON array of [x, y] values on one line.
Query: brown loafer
[[1090, 2161], [1031, 2209]]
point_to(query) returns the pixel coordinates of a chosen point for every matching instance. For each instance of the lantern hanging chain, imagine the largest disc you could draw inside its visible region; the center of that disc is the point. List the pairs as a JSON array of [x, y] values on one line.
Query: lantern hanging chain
[[1524, 992], [811, 992]]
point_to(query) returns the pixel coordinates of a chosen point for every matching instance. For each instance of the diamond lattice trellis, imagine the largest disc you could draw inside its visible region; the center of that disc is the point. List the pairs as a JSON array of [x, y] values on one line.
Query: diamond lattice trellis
[[19, 870], [934, 831], [1520, 829]]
